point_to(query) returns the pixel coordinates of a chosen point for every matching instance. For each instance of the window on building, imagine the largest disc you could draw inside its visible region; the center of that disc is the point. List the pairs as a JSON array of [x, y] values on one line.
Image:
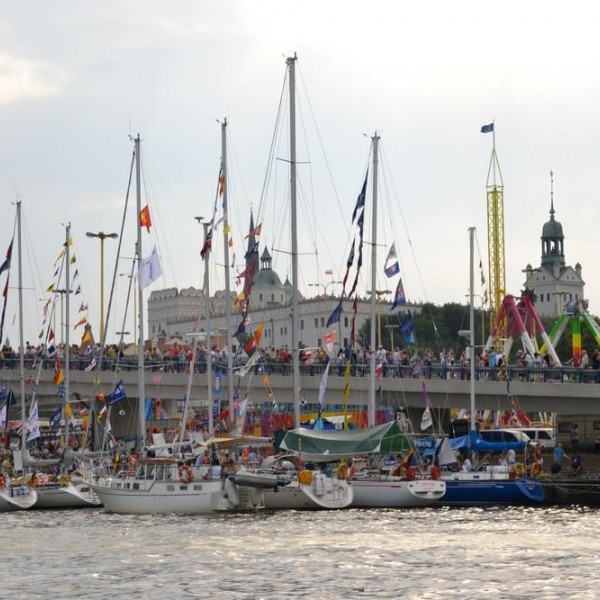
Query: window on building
[[260, 297], [541, 297], [316, 323], [301, 324], [345, 342], [285, 328], [281, 331], [345, 321], [548, 297], [322, 321], [318, 342], [272, 297]]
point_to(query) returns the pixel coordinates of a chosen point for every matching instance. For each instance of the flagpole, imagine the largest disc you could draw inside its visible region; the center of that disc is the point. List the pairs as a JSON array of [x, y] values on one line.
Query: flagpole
[[21, 334], [371, 411], [472, 328], [67, 325]]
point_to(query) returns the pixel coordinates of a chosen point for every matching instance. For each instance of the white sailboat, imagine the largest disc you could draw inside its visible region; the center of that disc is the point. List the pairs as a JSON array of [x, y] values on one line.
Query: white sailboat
[[15, 492], [64, 491], [163, 484]]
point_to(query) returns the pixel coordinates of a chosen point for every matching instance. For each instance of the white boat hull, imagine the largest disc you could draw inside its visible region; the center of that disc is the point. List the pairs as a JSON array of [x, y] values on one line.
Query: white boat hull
[[392, 492], [78, 495], [17, 498], [322, 493]]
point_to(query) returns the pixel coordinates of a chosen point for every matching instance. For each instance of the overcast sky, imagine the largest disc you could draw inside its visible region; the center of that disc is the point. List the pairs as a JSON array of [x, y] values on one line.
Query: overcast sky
[[76, 79]]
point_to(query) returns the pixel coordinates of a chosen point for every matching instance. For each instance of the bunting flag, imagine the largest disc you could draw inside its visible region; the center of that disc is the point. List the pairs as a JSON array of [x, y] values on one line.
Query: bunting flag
[[254, 340], [81, 321], [55, 418], [426, 420], [83, 307], [391, 266], [256, 231], [73, 259], [407, 328], [360, 202], [145, 220], [221, 182], [33, 425], [59, 257], [329, 338], [399, 297], [117, 395], [149, 270], [59, 376], [5, 266], [323, 384], [51, 287], [103, 412], [92, 365], [207, 246], [249, 364]]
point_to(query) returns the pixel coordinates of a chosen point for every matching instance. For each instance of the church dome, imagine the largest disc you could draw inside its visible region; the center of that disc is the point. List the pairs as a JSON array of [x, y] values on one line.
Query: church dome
[[552, 229]]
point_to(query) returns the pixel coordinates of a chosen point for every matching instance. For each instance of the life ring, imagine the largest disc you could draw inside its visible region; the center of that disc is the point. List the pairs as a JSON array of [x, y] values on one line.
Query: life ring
[[342, 471], [519, 469], [185, 474], [536, 469]]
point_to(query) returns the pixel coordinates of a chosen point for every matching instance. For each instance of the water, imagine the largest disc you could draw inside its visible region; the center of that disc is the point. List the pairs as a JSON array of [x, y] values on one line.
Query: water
[[425, 554]]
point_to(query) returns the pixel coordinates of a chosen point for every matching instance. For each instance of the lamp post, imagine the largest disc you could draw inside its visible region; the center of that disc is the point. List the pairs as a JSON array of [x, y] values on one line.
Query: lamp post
[[102, 236], [481, 300]]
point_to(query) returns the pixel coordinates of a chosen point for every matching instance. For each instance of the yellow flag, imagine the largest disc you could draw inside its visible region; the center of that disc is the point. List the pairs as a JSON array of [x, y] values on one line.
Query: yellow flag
[[50, 288], [68, 410]]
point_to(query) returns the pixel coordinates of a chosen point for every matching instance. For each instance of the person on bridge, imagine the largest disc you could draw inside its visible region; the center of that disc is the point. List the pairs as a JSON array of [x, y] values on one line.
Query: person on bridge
[[576, 467]]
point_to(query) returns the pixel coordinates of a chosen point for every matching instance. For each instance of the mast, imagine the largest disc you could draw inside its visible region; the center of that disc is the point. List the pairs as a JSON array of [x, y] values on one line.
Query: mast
[[227, 282], [472, 324], [371, 414], [67, 323], [291, 63], [21, 334], [141, 382], [209, 397]]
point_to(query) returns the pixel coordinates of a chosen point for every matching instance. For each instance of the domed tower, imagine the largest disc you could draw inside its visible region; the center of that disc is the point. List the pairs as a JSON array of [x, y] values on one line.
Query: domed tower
[[553, 283]]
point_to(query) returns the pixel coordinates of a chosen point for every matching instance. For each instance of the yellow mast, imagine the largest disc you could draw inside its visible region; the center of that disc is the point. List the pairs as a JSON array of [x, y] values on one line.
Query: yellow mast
[[495, 218]]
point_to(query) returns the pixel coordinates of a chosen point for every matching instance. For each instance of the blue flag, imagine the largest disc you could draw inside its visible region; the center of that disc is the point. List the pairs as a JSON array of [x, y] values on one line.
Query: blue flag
[[55, 418], [5, 266], [360, 202], [118, 394], [487, 128], [399, 297], [334, 317]]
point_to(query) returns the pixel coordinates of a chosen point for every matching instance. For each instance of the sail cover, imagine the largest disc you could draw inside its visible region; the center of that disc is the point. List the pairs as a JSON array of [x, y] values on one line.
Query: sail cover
[[323, 446]]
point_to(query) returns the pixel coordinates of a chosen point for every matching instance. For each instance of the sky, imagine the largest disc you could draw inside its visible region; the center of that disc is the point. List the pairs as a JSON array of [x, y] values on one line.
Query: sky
[[77, 80]]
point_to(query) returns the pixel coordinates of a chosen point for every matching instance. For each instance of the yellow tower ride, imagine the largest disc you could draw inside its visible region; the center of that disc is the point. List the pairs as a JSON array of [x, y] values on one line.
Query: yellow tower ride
[[495, 220]]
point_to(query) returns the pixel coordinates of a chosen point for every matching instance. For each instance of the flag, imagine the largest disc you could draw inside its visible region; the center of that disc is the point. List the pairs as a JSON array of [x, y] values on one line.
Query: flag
[[207, 243], [393, 268], [5, 266], [102, 412], [55, 418], [149, 269], [249, 364], [118, 394], [323, 383], [217, 387], [59, 376], [334, 317], [83, 307], [360, 202], [33, 426], [145, 220], [255, 231], [73, 259], [254, 341], [81, 321], [329, 272], [407, 328], [487, 128], [92, 365], [221, 182], [50, 288], [426, 420], [399, 297], [329, 338]]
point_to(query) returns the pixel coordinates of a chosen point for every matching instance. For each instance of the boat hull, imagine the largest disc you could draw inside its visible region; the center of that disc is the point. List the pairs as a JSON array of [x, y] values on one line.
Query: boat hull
[[488, 492], [69, 496], [572, 490], [389, 492], [322, 493], [17, 497]]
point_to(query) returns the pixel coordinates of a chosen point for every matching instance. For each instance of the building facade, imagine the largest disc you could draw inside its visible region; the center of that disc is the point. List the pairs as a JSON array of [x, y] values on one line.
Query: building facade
[[554, 283]]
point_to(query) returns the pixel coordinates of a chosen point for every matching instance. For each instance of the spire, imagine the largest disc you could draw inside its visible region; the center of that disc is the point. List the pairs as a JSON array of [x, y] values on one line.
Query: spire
[[552, 195]]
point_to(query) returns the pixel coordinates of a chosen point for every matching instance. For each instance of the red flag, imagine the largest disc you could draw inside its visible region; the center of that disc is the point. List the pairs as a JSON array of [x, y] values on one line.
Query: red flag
[[221, 183], [207, 244], [255, 231], [145, 220], [254, 341]]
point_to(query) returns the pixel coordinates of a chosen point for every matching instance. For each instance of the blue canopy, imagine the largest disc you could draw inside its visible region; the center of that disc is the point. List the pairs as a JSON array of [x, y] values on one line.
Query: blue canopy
[[478, 445]]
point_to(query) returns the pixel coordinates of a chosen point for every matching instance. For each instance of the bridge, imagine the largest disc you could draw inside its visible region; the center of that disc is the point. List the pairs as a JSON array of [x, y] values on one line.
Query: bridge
[[562, 391]]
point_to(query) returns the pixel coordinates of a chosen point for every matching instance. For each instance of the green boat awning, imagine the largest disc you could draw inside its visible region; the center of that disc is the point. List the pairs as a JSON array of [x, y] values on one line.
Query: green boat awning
[[322, 446]]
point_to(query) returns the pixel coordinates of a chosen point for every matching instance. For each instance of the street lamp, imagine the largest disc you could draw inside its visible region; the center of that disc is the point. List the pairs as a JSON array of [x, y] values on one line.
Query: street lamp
[[323, 285], [102, 236]]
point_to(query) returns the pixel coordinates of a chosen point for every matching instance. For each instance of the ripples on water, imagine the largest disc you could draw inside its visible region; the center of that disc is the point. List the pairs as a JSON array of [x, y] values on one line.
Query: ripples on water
[[424, 554]]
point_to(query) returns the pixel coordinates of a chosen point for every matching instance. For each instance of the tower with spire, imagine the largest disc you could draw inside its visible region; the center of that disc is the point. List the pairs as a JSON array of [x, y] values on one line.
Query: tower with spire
[[553, 282]]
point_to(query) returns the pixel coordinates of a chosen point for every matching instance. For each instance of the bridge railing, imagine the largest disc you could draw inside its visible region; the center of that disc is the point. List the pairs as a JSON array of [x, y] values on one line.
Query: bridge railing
[[458, 372]]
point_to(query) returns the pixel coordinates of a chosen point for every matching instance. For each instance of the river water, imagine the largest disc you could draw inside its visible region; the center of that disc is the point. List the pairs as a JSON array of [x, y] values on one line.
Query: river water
[[425, 554]]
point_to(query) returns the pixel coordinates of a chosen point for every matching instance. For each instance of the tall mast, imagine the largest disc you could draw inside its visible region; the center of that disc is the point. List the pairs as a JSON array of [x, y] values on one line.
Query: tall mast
[[141, 382], [472, 324], [227, 282], [291, 63], [21, 335], [371, 418], [67, 321], [209, 397]]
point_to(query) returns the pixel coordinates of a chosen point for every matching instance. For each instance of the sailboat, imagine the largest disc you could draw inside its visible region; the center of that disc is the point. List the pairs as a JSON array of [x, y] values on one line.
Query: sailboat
[[163, 483], [15, 492], [490, 485], [64, 491]]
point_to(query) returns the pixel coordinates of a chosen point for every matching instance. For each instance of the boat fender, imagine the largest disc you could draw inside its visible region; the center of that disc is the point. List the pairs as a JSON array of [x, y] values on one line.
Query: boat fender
[[319, 484], [256, 497], [536, 469], [410, 474], [305, 477], [435, 472], [342, 471], [231, 492], [519, 469], [185, 474], [2, 482]]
